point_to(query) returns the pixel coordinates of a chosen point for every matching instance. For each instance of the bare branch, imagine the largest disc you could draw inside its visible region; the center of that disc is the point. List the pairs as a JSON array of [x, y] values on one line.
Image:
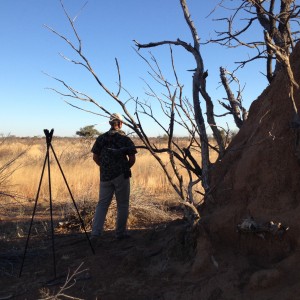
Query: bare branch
[[119, 76], [277, 24], [235, 105]]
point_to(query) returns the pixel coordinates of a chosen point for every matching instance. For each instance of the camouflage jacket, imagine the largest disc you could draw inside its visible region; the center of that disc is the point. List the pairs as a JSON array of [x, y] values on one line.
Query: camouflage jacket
[[113, 148]]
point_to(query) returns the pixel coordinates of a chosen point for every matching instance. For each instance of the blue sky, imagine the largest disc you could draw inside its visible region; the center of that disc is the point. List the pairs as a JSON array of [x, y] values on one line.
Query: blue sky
[[107, 29]]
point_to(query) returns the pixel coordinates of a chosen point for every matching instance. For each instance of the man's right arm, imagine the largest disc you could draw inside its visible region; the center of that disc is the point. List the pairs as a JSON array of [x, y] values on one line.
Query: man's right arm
[[96, 159]]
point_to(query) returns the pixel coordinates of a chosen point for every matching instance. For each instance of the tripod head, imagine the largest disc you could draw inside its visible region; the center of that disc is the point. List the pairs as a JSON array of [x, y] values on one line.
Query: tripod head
[[48, 135]]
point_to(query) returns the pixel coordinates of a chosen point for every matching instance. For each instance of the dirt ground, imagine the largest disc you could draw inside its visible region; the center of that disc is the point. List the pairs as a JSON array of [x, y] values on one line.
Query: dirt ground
[[161, 261], [137, 268]]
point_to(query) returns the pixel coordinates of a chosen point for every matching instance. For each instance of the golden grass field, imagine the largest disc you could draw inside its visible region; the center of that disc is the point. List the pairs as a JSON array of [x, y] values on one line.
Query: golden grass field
[[81, 172], [149, 185]]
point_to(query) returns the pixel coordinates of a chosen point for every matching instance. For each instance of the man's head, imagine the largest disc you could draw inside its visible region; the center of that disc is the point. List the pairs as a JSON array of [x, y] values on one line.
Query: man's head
[[115, 121]]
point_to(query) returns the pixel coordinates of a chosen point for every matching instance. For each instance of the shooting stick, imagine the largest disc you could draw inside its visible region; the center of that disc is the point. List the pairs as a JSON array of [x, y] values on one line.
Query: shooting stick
[[47, 160]]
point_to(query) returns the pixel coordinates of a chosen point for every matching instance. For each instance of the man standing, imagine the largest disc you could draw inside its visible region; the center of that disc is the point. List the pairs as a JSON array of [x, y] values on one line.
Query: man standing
[[115, 153]]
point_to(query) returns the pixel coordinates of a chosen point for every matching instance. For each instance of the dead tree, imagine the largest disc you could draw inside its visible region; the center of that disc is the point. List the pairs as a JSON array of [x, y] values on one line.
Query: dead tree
[[188, 166], [199, 89], [279, 18], [175, 106]]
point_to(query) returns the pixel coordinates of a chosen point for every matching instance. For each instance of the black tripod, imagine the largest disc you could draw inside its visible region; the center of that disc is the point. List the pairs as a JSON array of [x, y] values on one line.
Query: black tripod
[[47, 160]]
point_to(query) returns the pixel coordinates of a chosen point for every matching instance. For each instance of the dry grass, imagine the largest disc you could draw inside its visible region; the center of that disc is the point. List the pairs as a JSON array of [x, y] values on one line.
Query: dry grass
[[81, 172], [151, 192]]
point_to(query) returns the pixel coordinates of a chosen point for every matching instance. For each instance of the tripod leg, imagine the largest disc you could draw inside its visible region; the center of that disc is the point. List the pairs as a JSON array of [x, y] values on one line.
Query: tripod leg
[[81, 221], [33, 213], [51, 213]]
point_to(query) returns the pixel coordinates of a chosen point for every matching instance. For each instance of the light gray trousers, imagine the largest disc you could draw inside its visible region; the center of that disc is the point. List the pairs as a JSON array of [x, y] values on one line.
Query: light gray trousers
[[121, 188]]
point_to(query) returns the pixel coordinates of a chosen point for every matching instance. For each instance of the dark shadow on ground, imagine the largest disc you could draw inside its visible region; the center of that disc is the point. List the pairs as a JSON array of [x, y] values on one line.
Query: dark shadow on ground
[[121, 269]]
